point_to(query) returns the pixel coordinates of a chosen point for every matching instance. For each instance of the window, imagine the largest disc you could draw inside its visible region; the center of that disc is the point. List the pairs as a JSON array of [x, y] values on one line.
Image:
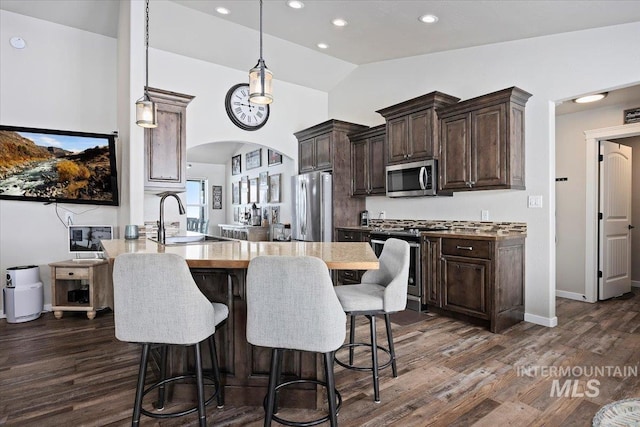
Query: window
[[197, 199]]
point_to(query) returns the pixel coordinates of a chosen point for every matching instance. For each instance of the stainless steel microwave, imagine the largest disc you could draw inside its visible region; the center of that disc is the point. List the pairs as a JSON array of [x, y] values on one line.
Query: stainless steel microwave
[[412, 179]]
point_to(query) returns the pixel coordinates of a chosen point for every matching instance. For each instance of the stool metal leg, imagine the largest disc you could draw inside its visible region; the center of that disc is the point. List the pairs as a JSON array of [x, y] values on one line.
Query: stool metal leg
[[352, 336], [392, 352], [273, 383], [142, 373], [200, 382], [163, 375], [374, 358], [216, 371], [331, 387], [278, 375]]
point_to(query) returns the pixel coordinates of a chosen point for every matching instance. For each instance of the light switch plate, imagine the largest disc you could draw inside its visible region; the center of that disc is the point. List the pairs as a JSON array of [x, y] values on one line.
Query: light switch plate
[[484, 215], [535, 201]]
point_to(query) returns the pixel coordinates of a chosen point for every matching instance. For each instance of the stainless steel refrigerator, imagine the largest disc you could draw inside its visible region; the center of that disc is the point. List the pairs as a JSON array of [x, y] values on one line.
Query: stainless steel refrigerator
[[312, 207]]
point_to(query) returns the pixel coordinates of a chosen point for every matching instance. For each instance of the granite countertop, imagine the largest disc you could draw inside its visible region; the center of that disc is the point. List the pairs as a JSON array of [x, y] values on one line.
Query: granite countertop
[[238, 253]]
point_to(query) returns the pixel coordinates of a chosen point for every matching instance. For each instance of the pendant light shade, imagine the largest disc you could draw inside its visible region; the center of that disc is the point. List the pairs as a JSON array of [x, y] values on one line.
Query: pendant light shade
[[146, 109], [260, 77]]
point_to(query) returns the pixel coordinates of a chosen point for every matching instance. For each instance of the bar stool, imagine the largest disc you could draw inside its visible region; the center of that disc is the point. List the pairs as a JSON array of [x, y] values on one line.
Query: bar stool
[[382, 291], [157, 302], [291, 305]]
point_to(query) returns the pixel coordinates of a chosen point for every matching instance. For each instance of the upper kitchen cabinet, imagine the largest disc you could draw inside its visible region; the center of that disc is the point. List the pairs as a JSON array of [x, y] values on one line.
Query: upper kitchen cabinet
[[482, 142], [368, 161], [322, 147], [165, 146], [412, 127]]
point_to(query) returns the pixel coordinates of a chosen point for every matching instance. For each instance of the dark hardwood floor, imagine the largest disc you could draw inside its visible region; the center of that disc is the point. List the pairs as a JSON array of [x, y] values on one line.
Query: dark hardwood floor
[[73, 372]]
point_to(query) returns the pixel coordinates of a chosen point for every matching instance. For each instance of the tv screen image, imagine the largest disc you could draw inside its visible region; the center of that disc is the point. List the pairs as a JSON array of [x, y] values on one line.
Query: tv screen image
[[86, 238], [47, 165]]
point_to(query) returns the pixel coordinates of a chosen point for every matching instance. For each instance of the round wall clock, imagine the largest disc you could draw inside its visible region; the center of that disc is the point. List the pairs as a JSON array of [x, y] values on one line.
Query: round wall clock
[[244, 114]]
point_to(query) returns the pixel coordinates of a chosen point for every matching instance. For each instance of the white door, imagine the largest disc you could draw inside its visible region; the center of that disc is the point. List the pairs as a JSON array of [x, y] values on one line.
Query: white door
[[615, 232]]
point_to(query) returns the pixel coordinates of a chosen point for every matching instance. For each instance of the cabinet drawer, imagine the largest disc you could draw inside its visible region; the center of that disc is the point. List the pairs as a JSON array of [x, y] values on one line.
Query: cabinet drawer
[[467, 248], [348, 236], [72, 273]]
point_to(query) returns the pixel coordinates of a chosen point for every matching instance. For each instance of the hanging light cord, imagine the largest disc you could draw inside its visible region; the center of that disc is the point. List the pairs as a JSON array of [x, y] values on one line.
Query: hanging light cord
[[146, 44], [261, 60]]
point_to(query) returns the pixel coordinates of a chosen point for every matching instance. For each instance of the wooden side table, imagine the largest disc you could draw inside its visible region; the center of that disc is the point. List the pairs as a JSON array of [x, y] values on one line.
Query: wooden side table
[[80, 286]]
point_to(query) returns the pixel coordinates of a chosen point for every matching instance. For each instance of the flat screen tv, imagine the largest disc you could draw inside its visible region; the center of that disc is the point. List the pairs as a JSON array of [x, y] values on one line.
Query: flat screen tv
[[44, 165], [85, 239]]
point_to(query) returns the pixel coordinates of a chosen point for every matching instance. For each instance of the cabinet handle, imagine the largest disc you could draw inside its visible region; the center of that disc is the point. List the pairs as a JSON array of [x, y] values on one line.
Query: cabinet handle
[[466, 248], [71, 274]]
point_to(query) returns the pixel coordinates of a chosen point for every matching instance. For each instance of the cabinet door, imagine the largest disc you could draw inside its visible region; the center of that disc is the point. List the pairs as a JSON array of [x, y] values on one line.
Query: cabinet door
[[323, 152], [307, 159], [397, 134], [455, 156], [465, 285], [431, 272], [420, 141], [360, 167], [489, 146], [377, 177]]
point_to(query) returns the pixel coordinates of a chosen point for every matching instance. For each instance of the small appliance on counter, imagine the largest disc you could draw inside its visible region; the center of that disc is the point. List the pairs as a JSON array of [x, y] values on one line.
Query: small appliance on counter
[[364, 219], [24, 294]]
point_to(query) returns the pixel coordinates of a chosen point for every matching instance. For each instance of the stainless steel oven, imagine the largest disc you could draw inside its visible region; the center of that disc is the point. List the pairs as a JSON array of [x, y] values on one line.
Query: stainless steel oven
[[414, 286]]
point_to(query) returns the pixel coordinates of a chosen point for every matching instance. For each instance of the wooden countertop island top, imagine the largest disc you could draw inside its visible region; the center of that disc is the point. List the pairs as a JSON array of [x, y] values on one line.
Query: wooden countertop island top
[[237, 253]]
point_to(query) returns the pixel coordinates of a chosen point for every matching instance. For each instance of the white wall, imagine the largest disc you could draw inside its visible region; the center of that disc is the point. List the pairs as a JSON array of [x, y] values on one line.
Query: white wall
[[570, 194], [551, 68], [64, 79]]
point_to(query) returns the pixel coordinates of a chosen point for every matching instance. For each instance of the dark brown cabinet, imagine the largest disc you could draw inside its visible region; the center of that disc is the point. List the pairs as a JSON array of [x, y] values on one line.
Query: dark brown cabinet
[[368, 161], [482, 142], [350, 277], [326, 147], [480, 280], [165, 146], [412, 127]]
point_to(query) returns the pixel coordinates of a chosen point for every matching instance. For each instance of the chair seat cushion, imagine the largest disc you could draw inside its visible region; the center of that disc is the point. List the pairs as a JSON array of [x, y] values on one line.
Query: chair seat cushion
[[221, 312], [361, 297]]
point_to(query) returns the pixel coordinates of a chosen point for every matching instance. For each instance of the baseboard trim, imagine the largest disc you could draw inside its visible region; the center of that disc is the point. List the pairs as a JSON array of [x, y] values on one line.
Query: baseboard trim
[[571, 295], [635, 283], [550, 322]]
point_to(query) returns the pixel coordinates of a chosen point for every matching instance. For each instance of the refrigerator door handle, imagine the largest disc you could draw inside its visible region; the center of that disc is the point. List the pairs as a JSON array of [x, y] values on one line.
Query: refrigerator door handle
[[303, 208]]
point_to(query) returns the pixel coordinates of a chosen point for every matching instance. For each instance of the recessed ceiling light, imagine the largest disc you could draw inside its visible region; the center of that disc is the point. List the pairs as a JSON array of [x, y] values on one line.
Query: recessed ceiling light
[[428, 19], [295, 4], [223, 10], [322, 45], [18, 42], [339, 22], [590, 98]]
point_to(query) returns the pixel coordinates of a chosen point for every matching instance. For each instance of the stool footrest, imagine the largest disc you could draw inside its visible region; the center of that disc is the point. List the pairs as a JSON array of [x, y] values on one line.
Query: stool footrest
[[305, 423], [191, 410], [363, 368]]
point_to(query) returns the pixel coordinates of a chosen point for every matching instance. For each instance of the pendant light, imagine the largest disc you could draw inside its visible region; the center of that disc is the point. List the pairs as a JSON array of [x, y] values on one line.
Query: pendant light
[[146, 109], [260, 91]]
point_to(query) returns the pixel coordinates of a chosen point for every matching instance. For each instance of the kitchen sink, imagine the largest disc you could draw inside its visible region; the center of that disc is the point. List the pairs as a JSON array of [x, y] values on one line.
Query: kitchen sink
[[192, 238]]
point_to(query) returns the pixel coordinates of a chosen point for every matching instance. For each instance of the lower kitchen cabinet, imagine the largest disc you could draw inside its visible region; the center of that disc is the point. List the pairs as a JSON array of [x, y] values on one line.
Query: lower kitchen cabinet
[[476, 279], [349, 277]]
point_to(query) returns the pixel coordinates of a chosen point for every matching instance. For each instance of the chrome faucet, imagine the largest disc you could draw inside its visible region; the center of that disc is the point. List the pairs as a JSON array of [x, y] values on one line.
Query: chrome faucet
[[161, 231]]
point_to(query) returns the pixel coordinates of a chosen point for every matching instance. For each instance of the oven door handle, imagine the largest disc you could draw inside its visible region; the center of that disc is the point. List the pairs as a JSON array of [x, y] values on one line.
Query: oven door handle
[[414, 245], [377, 242]]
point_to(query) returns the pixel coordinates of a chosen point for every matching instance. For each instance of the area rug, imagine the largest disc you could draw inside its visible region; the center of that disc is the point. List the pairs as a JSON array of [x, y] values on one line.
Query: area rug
[[623, 413]]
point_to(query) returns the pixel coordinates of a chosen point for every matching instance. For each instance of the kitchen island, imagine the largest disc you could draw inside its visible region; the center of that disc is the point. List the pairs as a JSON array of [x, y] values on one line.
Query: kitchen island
[[219, 269]]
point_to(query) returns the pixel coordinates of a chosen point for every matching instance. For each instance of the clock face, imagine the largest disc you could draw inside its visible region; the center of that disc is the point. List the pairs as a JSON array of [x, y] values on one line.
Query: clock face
[[244, 114]]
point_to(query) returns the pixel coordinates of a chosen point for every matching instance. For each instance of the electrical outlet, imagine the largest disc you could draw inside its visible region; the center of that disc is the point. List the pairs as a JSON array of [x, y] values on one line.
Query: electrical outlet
[[535, 201], [485, 215], [382, 215], [68, 218]]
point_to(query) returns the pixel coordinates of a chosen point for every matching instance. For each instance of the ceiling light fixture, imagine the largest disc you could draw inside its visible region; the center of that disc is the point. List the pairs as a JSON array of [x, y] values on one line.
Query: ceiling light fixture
[[322, 45], [339, 22], [146, 109], [223, 10], [428, 19], [260, 90], [590, 98], [295, 4]]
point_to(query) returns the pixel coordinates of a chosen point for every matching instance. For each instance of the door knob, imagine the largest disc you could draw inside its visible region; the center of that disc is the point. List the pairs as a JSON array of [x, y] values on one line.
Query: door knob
[[631, 227]]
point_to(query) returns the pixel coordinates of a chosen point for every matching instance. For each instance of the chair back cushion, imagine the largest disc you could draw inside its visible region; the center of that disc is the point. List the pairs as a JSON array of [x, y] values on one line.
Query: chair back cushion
[[291, 304], [393, 274], [157, 301]]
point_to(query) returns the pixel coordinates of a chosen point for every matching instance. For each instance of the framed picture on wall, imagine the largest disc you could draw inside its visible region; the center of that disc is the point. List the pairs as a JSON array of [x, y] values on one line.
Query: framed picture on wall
[[274, 158], [244, 190], [263, 187], [235, 193], [254, 159], [253, 190], [274, 188], [216, 192], [236, 167]]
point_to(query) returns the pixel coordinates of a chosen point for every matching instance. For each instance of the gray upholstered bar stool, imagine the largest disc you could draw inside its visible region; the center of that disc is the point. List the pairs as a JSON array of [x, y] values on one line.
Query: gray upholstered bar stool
[[382, 291], [291, 305], [157, 302]]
